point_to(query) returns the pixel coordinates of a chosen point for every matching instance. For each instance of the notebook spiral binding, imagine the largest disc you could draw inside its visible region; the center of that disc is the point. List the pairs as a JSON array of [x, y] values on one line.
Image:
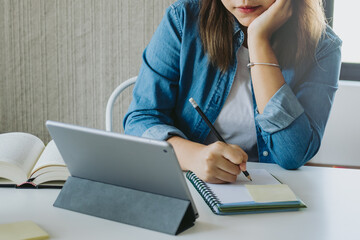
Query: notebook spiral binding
[[209, 197]]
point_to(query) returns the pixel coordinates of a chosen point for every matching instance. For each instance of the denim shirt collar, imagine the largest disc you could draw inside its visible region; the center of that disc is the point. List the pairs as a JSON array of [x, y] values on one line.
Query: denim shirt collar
[[237, 26], [238, 34]]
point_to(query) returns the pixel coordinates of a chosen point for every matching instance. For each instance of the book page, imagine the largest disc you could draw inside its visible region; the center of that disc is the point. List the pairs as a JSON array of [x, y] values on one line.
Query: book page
[[19, 150], [50, 157], [237, 192], [60, 175]]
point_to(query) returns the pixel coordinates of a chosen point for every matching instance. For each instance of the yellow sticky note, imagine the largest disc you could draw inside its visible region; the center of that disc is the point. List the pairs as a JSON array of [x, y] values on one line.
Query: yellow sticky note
[[22, 230], [271, 193]]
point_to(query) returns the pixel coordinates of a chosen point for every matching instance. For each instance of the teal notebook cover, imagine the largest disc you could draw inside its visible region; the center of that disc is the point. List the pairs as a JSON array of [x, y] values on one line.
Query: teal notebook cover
[[264, 194]]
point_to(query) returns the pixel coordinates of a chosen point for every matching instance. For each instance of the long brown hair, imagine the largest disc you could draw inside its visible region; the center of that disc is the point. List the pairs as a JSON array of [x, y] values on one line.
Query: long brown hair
[[292, 43]]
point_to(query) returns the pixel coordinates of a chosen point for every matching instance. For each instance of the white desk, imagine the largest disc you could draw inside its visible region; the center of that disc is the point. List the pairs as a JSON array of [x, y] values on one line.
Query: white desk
[[332, 196]]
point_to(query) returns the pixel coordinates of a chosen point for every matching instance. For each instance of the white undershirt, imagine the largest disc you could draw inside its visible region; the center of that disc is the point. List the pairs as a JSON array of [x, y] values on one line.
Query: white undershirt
[[235, 122]]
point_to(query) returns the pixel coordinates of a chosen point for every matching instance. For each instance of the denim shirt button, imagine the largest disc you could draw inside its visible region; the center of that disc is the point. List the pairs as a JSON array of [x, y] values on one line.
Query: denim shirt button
[[265, 153]]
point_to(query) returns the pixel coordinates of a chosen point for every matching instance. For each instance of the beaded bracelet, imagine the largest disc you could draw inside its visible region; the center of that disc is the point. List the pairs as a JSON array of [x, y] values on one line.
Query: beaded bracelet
[[268, 64]]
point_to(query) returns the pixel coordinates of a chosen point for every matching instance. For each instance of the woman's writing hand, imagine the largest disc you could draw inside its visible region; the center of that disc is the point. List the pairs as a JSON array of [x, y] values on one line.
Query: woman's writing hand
[[219, 162], [269, 21]]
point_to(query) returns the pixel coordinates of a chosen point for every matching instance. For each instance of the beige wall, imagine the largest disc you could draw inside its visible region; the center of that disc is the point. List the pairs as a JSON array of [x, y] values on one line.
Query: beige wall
[[61, 59]]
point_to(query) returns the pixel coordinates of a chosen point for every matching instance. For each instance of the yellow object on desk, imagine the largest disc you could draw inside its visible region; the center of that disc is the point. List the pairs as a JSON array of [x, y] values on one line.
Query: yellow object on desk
[[25, 230], [271, 193]]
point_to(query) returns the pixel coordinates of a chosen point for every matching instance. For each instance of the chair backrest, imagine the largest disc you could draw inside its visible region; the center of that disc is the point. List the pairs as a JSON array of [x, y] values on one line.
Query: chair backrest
[[112, 99], [342, 134]]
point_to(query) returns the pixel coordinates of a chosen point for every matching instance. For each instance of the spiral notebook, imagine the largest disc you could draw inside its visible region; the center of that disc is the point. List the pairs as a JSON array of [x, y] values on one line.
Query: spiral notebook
[[264, 194]]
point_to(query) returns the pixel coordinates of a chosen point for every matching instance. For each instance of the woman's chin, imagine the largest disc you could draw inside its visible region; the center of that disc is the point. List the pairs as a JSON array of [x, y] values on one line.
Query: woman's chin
[[245, 21]]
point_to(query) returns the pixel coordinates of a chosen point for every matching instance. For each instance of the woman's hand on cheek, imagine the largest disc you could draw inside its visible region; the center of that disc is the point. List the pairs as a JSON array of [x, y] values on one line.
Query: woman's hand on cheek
[[270, 20]]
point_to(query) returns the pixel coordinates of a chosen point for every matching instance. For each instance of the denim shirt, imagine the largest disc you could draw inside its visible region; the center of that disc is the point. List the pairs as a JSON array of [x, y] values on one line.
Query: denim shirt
[[176, 68]]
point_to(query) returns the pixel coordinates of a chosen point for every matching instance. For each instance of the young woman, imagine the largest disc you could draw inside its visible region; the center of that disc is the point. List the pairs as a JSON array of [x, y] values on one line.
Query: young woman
[[263, 71]]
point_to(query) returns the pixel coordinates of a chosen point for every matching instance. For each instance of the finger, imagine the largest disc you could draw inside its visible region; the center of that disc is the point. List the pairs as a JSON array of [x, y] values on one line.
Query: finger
[[282, 7], [242, 166], [228, 166], [216, 181], [282, 4], [286, 9], [210, 178], [225, 176], [235, 154]]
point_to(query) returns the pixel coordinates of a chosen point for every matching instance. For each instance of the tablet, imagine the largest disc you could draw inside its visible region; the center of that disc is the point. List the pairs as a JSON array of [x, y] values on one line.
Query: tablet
[[123, 160]]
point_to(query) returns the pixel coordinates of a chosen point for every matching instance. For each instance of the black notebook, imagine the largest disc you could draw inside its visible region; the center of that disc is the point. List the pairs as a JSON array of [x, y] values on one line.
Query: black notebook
[[264, 194]]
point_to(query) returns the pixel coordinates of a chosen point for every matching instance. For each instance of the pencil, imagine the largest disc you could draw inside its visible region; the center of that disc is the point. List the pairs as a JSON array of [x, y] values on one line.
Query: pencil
[[213, 129]]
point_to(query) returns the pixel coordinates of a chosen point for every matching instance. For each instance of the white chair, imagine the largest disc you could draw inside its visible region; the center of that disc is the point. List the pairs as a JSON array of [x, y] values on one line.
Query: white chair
[[112, 99], [341, 142]]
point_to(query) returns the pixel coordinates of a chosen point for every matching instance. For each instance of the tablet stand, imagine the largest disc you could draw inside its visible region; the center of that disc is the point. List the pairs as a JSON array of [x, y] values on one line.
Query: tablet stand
[[147, 210]]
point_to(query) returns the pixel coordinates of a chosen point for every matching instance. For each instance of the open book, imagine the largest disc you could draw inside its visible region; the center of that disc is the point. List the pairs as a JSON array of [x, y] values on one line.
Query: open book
[[264, 194], [26, 162]]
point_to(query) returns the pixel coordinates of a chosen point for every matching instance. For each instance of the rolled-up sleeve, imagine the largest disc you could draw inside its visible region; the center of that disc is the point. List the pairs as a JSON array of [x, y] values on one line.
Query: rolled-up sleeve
[[150, 113], [293, 121], [282, 109]]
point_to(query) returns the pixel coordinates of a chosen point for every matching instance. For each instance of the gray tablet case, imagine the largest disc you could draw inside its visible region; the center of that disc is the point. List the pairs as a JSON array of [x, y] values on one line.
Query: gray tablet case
[[123, 178]]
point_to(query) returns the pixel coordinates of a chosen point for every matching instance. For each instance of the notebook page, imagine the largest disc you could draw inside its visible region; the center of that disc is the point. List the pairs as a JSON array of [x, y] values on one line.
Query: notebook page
[[237, 192]]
